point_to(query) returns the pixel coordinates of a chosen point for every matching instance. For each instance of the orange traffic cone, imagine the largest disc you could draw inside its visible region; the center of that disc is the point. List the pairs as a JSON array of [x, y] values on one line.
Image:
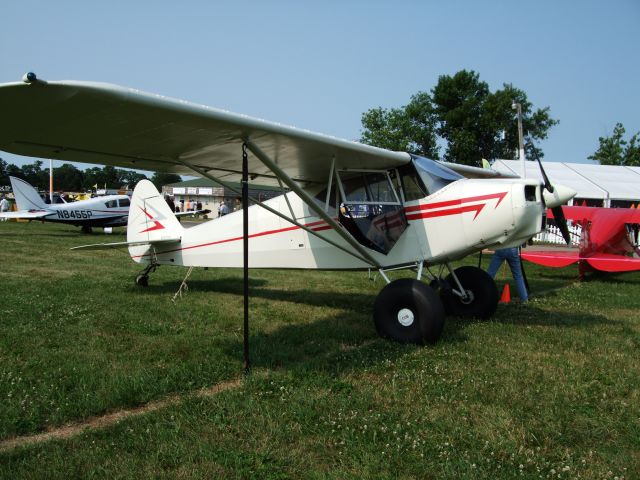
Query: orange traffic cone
[[506, 294]]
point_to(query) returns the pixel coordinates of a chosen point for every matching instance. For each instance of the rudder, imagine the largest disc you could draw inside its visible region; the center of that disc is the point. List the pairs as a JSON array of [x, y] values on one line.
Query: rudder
[[150, 218], [26, 196]]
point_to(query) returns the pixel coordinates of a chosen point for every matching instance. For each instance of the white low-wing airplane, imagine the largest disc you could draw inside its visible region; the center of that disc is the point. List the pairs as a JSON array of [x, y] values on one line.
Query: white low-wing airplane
[[351, 206], [108, 211]]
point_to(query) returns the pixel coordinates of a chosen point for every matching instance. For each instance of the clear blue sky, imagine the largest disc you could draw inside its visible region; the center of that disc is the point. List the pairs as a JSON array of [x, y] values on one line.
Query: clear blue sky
[[320, 65]]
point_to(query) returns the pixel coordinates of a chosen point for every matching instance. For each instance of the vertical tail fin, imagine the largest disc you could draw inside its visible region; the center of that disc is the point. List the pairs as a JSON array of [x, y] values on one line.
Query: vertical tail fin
[[150, 218], [27, 197]]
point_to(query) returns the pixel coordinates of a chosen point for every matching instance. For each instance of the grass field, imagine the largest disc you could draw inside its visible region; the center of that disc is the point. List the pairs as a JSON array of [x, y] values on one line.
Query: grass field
[[545, 390]]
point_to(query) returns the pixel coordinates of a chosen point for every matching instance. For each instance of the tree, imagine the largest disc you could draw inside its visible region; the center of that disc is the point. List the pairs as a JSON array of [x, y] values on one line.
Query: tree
[[35, 175], [68, 177], [614, 150], [4, 176], [160, 178], [461, 111], [130, 178], [410, 128]]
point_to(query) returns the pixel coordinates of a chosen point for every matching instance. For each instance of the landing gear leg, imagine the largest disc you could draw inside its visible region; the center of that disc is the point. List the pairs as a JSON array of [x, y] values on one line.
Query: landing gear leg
[[469, 292], [142, 279], [408, 311], [86, 229]]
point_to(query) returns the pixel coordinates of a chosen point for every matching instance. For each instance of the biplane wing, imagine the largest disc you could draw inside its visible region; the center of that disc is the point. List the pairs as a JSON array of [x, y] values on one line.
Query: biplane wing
[[112, 125], [551, 258], [605, 262]]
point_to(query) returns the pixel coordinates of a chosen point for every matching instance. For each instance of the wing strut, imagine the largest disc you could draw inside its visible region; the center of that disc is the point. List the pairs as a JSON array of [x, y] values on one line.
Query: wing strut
[[245, 253], [205, 174], [311, 203]]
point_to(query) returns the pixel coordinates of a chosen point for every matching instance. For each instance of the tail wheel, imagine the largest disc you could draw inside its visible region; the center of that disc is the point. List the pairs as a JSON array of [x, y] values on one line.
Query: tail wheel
[[481, 299], [408, 311]]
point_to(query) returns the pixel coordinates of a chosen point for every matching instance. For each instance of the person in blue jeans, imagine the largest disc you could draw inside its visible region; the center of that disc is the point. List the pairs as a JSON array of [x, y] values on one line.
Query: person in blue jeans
[[511, 256]]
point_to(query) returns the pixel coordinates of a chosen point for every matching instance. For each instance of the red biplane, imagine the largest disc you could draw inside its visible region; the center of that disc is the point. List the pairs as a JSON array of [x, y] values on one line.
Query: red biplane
[[609, 241]]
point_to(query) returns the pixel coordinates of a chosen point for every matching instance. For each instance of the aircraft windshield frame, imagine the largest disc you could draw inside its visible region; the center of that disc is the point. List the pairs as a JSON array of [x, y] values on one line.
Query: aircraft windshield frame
[[434, 175]]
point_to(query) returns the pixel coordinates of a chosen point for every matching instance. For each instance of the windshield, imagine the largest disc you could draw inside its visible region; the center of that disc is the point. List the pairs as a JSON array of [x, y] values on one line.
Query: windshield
[[434, 175]]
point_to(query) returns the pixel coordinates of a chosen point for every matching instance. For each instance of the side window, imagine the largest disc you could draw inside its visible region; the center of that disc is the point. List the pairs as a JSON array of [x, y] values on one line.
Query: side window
[[111, 204], [322, 196], [125, 202], [412, 184]]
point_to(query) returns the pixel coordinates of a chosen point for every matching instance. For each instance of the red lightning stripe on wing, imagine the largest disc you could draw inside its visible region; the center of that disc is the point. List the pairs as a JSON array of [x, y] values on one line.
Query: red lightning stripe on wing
[[156, 224]]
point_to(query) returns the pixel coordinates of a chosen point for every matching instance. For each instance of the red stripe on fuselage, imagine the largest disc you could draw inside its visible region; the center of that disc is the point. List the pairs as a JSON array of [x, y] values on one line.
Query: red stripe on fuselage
[[318, 226]]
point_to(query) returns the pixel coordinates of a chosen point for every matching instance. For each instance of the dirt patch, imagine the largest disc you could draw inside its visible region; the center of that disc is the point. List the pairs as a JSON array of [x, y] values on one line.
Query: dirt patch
[[93, 423]]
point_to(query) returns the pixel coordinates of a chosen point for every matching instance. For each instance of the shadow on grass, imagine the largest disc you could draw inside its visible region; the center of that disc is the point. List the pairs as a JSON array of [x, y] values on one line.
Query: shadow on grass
[[332, 346], [349, 340], [528, 315], [360, 302]]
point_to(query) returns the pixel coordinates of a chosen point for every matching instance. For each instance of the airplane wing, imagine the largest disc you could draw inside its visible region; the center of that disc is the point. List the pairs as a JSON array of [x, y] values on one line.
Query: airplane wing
[[605, 262], [621, 215], [551, 258], [112, 125], [477, 172], [608, 262], [23, 214]]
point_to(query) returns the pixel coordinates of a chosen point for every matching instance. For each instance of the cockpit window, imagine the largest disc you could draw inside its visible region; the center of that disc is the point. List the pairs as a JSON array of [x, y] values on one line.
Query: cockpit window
[[125, 202], [412, 186], [434, 175], [111, 204], [369, 187]]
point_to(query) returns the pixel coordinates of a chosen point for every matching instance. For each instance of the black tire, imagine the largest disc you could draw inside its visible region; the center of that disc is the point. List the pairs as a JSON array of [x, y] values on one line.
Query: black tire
[[142, 280], [484, 292], [408, 311]]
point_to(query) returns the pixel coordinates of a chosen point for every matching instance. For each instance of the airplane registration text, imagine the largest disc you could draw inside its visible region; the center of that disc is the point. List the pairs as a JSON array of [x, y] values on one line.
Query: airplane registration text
[[77, 214]]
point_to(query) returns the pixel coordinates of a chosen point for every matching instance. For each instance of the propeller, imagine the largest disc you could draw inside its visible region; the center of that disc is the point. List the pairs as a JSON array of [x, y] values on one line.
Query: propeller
[[557, 196]]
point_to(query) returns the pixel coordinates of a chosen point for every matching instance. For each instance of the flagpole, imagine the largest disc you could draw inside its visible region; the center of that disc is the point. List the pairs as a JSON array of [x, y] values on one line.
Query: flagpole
[[51, 181]]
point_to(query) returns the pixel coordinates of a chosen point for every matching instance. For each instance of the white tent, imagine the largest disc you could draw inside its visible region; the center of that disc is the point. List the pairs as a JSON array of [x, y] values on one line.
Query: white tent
[[605, 183]]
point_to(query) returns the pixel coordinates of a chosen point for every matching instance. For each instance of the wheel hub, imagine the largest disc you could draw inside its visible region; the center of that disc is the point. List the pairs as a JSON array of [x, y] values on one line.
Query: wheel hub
[[405, 317], [467, 298]]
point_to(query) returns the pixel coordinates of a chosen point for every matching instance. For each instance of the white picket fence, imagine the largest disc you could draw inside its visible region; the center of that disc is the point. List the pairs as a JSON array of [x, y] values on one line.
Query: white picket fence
[[553, 235]]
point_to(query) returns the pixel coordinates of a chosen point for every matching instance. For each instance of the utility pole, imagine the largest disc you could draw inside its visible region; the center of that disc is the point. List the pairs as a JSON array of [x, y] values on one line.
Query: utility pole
[[51, 181], [518, 108]]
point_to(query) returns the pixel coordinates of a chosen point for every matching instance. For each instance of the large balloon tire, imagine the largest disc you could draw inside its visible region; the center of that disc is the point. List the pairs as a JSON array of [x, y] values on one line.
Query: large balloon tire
[[485, 296], [408, 311]]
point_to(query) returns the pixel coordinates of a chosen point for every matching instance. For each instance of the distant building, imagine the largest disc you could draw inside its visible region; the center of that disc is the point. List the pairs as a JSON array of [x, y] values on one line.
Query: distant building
[[210, 194], [597, 185]]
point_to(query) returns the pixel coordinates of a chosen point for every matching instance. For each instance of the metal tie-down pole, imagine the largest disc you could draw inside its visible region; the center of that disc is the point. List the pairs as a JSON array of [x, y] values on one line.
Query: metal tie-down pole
[[245, 252]]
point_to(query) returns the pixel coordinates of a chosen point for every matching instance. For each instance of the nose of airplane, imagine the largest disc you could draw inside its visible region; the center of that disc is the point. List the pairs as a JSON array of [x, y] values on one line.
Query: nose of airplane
[[561, 195]]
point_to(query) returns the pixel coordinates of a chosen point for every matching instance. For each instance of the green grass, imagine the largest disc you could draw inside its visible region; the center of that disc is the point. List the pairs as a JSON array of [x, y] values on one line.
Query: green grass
[[546, 390]]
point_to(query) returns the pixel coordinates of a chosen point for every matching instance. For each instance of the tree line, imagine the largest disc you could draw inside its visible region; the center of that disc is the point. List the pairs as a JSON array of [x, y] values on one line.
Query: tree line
[[69, 178], [461, 120]]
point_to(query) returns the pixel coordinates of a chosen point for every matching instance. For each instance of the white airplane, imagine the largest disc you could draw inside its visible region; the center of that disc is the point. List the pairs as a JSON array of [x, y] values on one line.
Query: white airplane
[[351, 206], [108, 211]]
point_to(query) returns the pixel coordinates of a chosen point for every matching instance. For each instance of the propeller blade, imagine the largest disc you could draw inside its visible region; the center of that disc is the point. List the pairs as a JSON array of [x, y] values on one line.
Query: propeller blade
[[561, 223], [547, 183]]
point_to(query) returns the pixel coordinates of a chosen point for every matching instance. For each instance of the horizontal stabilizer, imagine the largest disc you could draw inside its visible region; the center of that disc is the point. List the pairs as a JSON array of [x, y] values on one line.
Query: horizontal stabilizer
[[24, 214], [106, 246]]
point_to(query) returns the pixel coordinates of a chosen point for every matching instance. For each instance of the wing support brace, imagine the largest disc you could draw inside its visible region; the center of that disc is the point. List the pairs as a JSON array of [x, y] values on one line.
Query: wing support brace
[[205, 174], [312, 204]]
